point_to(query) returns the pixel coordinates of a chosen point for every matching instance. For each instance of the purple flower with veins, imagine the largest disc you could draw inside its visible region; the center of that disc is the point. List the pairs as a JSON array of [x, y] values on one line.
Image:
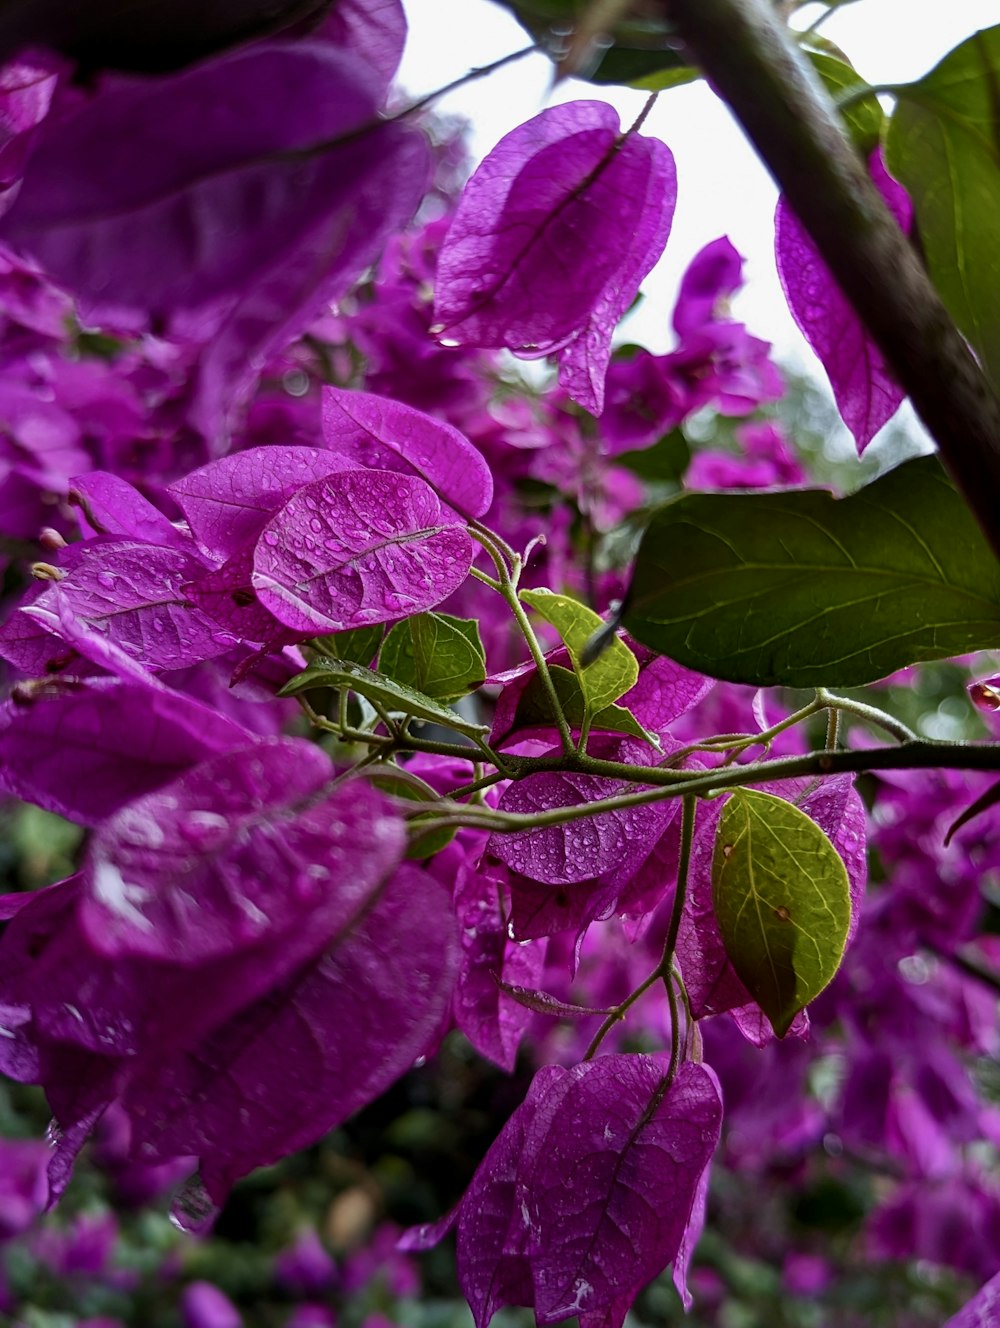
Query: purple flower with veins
[[554, 233], [593, 1187], [866, 393], [717, 362]]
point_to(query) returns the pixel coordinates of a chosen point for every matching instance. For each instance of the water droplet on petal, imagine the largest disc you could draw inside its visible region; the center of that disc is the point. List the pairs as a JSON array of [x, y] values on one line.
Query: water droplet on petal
[[192, 1210]]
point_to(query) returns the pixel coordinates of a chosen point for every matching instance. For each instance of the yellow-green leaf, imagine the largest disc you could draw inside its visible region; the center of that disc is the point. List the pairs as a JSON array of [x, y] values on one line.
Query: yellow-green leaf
[[782, 900], [613, 673]]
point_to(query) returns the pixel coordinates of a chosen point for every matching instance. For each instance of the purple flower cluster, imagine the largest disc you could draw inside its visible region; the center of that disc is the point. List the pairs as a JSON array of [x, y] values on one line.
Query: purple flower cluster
[[226, 475]]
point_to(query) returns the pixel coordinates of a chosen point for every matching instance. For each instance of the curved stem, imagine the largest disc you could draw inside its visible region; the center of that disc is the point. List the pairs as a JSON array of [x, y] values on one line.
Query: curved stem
[[619, 1013], [871, 714], [506, 584]]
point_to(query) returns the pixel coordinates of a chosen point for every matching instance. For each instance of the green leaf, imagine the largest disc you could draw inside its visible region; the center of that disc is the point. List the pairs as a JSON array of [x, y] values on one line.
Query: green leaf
[[439, 655], [803, 589], [862, 119], [613, 673], [782, 900], [643, 47], [944, 146], [534, 710], [648, 71], [393, 696], [359, 645], [403, 784], [663, 463]]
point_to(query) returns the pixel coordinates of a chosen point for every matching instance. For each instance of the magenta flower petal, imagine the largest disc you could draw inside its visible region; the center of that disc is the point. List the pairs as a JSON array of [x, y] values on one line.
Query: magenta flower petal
[[388, 435], [227, 854], [131, 596], [271, 312], [982, 1311], [366, 547], [227, 168], [714, 274], [489, 1018], [551, 239], [866, 393], [590, 1190], [86, 749], [228, 597], [110, 505], [371, 31], [615, 841], [332, 1037], [229, 502]]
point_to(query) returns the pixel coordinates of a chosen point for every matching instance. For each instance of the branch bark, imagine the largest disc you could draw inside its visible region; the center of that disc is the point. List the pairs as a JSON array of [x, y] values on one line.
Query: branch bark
[[746, 53]]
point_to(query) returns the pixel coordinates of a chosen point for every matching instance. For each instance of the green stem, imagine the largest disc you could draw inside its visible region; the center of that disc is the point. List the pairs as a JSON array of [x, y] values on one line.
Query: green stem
[[737, 742], [507, 585], [832, 728], [689, 807], [922, 755], [477, 786], [664, 967], [619, 1012], [869, 713], [486, 580]]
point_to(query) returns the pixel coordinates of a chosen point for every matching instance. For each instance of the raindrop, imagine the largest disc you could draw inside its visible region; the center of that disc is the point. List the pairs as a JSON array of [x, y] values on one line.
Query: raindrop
[[192, 1210]]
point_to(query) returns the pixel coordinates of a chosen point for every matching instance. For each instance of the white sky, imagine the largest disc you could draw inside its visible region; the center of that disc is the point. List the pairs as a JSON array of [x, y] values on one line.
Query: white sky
[[722, 189]]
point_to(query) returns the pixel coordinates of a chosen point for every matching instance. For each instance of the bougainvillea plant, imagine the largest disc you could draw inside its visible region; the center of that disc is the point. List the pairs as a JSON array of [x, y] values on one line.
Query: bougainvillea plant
[[386, 686]]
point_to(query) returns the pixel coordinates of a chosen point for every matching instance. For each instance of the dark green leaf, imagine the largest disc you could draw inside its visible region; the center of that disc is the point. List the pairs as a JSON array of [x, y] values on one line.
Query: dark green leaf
[[359, 645], [439, 655], [800, 588], [782, 900], [663, 463], [403, 784], [944, 146], [392, 696], [649, 71], [642, 51], [863, 119]]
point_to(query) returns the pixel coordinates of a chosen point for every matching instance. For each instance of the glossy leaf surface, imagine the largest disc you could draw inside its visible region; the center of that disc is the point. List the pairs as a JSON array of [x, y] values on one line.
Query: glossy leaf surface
[[802, 589], [616, 669], [393, 696], [783, 902], [438, 655], [943, 145]]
